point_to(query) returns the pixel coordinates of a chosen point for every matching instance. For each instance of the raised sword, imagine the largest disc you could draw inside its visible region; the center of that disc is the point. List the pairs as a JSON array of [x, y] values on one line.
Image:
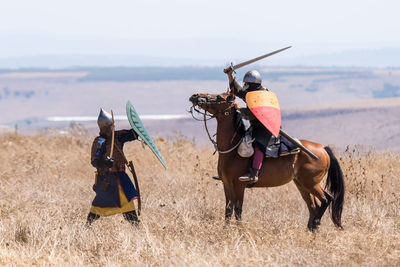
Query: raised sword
[[237, 66]]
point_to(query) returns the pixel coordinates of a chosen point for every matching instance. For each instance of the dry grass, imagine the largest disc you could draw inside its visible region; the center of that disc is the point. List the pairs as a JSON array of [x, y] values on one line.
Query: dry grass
[[45, 195]]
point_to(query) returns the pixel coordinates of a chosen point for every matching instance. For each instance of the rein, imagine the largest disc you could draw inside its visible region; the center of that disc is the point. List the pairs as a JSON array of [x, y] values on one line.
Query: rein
[[214, 142]]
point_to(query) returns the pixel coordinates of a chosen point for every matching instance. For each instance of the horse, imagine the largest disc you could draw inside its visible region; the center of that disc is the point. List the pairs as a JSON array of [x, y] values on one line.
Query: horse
[[306, 172]]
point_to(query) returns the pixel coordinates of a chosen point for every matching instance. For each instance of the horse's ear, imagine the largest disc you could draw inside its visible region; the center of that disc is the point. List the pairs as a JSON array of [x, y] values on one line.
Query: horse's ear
[[231, 97]]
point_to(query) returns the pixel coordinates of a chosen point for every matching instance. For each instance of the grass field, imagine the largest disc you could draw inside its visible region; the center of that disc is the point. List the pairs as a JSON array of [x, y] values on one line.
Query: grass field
[[45, 195]]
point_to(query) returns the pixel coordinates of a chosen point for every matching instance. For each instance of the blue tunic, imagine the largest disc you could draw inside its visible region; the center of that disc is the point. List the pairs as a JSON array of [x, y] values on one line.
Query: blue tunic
[[110, 196], [107, 184]]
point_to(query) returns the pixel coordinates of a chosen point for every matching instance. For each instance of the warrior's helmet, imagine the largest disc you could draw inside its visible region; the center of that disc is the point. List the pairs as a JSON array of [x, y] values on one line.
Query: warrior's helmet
[[252, 76], [105, 122]]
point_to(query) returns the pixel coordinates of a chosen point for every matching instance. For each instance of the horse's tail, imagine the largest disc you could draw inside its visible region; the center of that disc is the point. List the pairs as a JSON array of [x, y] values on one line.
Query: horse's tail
[[335, 184]]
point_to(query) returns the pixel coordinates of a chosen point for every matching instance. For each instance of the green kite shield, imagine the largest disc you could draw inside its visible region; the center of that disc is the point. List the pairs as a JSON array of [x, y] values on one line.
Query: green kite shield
[[138, 127]]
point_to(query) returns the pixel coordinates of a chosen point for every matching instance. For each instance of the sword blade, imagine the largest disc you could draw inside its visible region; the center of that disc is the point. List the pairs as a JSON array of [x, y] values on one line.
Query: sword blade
[[237, 66]]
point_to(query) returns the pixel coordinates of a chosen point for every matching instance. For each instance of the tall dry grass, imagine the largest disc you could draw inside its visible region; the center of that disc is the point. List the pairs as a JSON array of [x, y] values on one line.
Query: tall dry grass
[[45, 195]]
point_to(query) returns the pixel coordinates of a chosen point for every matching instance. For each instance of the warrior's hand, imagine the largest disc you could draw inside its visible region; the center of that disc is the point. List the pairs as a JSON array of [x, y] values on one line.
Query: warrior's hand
[[229, 70], [142, 141], [109, 162], [106, 163]]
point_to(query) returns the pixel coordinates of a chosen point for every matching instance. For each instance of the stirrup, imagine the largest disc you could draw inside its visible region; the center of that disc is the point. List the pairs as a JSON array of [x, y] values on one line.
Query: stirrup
[[248, 178], [217, 178]]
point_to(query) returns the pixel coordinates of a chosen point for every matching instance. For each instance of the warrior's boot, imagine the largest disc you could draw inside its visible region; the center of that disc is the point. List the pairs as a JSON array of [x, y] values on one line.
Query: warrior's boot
[[91, 218], [132, 217], [251, 177]]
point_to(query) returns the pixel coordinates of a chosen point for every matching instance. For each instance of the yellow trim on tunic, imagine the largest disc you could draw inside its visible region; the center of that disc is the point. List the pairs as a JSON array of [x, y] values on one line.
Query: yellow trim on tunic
[[125, 206]]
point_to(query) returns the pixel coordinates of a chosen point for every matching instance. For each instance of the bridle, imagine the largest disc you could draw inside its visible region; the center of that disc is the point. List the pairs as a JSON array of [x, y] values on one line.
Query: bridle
[[208, 116]]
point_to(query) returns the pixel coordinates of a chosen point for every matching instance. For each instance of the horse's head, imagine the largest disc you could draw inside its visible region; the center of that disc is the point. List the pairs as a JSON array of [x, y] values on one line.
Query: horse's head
[[214, 103]]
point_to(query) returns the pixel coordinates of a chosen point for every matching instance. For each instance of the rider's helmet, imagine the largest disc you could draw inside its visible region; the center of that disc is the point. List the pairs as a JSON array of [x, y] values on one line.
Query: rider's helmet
[[104, 121], [252, 76]]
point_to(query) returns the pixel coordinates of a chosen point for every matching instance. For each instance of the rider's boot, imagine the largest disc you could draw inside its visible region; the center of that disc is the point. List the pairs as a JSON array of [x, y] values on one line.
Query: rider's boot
[[258, 159], [251, 176]]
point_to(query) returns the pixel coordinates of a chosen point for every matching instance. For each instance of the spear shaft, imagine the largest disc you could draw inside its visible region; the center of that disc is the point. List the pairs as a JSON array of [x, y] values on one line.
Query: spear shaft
[[112, 135]]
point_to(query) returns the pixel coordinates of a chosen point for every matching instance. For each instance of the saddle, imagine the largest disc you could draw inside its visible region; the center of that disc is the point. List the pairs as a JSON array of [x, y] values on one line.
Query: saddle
[[280, 147], [276, 147]]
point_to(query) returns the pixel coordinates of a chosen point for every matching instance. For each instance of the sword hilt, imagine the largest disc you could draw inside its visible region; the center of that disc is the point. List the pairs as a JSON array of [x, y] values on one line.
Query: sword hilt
[[227, 69]]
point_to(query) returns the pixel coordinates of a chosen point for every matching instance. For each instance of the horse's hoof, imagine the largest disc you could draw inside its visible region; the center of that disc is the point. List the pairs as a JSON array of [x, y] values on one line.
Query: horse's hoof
[[226, 225], [313, 228], [315, 225]]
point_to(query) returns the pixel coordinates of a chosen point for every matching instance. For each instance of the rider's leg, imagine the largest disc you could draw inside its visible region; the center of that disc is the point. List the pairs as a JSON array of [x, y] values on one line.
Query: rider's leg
[[258, 159]]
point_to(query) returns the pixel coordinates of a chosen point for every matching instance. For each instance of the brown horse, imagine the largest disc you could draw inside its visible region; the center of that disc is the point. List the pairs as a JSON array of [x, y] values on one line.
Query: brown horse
[[306, 172]]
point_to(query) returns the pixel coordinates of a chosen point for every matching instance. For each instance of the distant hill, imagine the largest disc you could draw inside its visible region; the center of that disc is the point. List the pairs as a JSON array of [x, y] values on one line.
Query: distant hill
[[381, 58], [385, 57], [309, 98], [151, 73]]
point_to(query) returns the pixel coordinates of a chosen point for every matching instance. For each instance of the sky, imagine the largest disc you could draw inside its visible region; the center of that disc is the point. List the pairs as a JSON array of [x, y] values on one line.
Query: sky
[[195, 29]]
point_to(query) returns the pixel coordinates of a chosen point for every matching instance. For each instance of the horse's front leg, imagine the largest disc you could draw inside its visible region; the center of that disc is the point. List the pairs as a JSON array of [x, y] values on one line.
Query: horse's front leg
[[228, 189], [239, 195]]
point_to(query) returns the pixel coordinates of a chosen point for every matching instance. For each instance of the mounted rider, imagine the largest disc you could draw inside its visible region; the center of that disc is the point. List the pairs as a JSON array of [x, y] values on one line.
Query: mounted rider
[[114, 189], [264, 141]]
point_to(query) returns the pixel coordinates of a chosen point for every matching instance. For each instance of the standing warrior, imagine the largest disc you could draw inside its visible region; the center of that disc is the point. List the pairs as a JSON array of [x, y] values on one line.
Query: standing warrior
[[264, 141], [114, 190]]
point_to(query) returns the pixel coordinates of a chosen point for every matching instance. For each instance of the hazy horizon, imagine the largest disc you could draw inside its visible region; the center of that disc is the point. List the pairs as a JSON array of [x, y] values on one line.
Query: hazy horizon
[[379, 58]]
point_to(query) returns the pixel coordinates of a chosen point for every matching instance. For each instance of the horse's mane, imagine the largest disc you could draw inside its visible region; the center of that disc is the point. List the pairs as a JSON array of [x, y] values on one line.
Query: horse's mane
[[238, 119], [238, 123]]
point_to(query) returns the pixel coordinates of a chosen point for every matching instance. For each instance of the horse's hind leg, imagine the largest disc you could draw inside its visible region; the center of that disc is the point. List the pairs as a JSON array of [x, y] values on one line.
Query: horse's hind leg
[[325, 200], [311, 203], [321, 210]]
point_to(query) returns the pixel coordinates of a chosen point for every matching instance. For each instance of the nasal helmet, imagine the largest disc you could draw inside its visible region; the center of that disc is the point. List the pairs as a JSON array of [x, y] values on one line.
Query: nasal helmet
[[104, 121], [252, 76]]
